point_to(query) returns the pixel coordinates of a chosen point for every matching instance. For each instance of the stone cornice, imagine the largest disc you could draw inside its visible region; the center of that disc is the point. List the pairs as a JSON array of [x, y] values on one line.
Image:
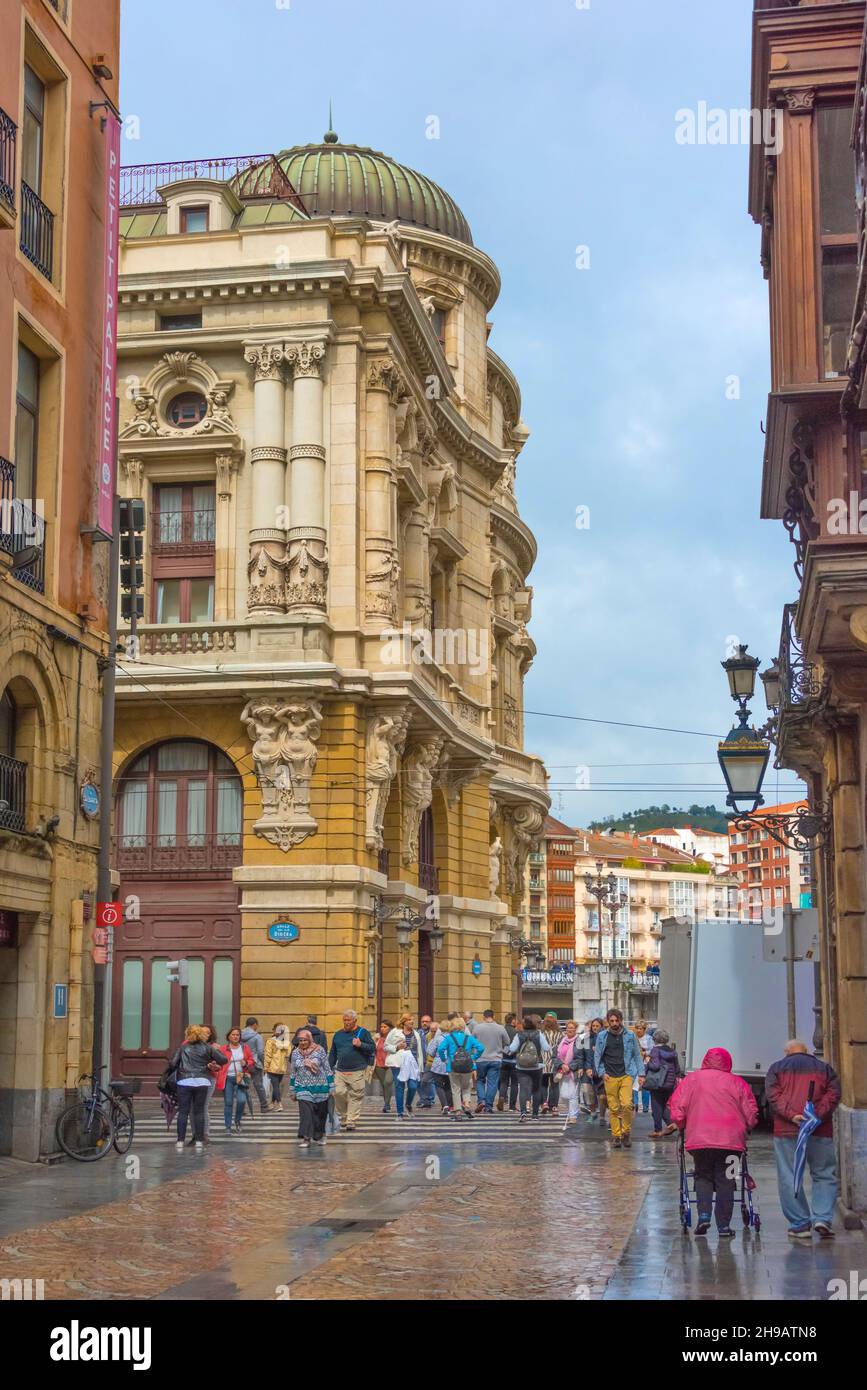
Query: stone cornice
[[335, 279], [440, 255], [467, 444], [504, 385], [516, 534]]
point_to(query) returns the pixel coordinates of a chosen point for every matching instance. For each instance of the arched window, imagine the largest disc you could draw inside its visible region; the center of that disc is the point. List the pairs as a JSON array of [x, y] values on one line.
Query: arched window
[[12, 771], [7, 725], [180, 806]]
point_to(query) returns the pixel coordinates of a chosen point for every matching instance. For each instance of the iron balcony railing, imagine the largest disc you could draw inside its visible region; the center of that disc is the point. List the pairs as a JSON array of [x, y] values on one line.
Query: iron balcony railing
[[37, 230], [253, 175], [798, 681], [8, 135], [194, 530], [429, 877], [21, 528], [198, 854], [13, 792]]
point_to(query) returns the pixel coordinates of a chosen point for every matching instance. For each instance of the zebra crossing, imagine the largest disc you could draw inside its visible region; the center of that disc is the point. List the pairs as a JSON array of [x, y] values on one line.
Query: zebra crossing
[[423, 1128]]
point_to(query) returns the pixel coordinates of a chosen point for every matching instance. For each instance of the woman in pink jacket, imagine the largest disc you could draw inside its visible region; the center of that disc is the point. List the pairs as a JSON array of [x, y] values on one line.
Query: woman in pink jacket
[[715, 1110]]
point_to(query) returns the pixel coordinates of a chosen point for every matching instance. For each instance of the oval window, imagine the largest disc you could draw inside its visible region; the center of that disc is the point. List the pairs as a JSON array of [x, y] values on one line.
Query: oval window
[[187, 409]]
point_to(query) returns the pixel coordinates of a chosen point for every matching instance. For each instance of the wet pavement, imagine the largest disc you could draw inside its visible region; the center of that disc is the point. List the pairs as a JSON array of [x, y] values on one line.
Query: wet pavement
[[522, 1212]]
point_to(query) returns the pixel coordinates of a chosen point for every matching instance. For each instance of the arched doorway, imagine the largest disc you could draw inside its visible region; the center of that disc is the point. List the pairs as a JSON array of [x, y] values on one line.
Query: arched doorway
[[178, 834]]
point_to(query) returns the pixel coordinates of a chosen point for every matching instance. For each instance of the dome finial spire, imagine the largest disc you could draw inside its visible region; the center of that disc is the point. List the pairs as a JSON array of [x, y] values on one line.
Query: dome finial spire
[[330, 134]]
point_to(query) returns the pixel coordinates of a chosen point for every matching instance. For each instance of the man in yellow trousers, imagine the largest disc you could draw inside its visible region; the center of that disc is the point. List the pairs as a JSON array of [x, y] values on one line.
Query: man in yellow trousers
[[618, 1061]]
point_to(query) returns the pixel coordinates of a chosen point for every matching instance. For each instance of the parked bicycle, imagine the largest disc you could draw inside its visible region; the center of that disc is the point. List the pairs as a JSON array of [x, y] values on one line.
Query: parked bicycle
[[99, 1119]]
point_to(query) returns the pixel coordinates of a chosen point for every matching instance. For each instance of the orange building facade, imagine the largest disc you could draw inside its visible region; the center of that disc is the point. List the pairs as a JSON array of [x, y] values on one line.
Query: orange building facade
[[58, 59]]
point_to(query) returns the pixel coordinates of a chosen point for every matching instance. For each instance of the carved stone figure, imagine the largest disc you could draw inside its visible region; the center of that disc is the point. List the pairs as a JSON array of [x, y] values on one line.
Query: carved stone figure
[[495, 856], [145, 419], [386, 736], [524, 823], [284, 735], [419, 765]]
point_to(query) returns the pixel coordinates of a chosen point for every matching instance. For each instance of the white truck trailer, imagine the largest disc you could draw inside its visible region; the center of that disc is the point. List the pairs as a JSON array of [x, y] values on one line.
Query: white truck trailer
[[720, 986]]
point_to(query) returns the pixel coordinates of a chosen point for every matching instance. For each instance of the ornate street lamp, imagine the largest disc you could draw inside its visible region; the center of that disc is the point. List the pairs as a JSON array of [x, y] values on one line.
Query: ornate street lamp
[[743, 757], [407, 920], [773, 683], [741, 671], [436, 936], [606, 895]]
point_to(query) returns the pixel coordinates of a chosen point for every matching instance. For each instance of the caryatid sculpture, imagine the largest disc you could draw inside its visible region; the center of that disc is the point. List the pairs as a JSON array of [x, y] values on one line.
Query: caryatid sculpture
[[386, 736], [284, 733]]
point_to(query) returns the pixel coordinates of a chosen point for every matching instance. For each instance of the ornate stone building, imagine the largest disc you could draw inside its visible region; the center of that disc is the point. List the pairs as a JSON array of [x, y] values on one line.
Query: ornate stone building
[[320, 718], [803, 194]]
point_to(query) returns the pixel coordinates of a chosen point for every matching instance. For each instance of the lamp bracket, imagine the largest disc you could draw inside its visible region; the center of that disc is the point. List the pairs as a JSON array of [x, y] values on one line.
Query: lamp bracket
[[806, 829]]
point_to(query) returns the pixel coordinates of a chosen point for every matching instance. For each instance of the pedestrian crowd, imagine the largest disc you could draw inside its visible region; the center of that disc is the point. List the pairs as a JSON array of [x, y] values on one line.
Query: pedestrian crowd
[[602, 1071]]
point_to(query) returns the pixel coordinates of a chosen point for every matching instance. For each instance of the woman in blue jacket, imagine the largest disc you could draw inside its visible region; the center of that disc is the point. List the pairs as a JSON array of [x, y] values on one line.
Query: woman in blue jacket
[[460, 1041]]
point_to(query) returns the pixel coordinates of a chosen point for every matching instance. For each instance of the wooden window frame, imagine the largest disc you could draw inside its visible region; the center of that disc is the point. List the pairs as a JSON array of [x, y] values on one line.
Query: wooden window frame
[[39, 119], [152, 777], [827, 241], [21, 403], [184, 214]]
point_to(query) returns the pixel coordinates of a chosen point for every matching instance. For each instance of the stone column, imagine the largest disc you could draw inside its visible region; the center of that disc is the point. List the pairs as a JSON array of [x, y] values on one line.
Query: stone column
[[416, 568], [382, 569], [266, 592], [224, 538], [307, 561]]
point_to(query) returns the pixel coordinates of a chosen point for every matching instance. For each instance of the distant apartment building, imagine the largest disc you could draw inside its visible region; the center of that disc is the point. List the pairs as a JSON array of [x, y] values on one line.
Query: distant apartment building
[[657, 881], [706, 844], [769, 874], [561, 844]]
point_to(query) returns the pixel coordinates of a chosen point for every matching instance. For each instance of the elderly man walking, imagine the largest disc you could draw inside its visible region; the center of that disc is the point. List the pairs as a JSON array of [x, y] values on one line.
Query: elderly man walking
[[789, 1085], [352, 1052]]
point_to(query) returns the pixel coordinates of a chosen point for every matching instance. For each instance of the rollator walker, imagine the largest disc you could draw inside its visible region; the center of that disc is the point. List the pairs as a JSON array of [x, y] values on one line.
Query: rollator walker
[[747, 1186]]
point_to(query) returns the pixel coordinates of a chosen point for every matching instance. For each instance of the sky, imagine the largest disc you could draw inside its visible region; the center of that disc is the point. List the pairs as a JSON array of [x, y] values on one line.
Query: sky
[[633, 312]]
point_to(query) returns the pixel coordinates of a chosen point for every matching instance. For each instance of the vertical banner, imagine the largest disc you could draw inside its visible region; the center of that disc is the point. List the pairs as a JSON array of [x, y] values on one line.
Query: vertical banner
[[108, 405]]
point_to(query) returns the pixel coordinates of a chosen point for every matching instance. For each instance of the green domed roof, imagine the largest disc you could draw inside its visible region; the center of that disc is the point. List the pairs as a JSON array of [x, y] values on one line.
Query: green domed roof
[[337, 180]]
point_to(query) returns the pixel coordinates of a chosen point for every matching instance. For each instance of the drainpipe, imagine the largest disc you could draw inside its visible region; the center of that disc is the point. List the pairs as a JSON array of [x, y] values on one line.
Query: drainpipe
[[102, 973]]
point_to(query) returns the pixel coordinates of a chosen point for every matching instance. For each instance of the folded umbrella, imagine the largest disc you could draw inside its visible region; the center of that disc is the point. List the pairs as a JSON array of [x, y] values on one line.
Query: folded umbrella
[[810, 1122], [169, 1103]]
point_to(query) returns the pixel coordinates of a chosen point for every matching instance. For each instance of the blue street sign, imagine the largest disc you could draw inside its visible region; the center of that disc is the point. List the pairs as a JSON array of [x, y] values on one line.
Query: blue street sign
[[477, 967], [283, 932], [61, 999]]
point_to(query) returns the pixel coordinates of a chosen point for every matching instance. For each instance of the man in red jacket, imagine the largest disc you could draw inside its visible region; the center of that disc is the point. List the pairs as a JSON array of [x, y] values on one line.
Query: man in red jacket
[[787, 1089]]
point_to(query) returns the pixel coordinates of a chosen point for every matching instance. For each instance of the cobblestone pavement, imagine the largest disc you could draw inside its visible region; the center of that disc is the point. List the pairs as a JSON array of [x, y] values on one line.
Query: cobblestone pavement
[[266, 1220]]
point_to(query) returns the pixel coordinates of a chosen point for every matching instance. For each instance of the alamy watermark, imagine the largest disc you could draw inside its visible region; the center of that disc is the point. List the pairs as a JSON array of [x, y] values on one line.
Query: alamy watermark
[[442, 646], [713, 125]]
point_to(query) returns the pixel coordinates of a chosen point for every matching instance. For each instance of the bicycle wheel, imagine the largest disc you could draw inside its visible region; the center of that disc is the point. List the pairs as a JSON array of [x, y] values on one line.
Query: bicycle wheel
[[84, 1131], [123, 1120]]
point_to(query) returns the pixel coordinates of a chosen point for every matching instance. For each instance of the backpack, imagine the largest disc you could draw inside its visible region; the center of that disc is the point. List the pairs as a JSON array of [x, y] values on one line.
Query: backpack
[[168, 1082], [529, 1053], [462, 1062]]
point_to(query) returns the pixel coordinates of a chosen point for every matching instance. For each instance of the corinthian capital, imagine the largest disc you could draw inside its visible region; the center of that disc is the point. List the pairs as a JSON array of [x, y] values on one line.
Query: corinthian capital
[[266, 360], [305, 359], [383, 374], [800, 100]]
